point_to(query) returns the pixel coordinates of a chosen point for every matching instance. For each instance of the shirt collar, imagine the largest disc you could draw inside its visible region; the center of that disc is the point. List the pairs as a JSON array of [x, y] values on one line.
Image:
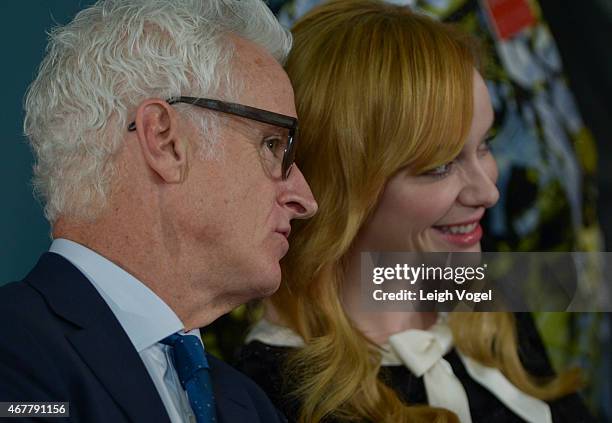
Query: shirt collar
[[144, 316]]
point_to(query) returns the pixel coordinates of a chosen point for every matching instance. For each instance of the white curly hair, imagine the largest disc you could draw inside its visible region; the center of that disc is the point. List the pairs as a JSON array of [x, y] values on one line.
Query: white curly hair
[[112, 56]]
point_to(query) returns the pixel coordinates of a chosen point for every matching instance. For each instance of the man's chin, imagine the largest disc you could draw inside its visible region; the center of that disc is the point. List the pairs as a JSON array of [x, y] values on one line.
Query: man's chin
[[266, 286]]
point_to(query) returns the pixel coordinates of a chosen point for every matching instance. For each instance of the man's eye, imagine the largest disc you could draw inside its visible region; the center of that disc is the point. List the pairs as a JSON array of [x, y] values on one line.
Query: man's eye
[[274, 145], [440, 171]]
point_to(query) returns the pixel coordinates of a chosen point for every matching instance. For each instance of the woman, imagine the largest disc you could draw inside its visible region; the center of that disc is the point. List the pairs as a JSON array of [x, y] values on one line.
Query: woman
[[394, 120]]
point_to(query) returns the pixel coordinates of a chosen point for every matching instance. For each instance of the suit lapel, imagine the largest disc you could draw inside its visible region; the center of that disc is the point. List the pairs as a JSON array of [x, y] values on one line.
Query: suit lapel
[[119, 368], [228, 411], [233, 402], [101, 341]]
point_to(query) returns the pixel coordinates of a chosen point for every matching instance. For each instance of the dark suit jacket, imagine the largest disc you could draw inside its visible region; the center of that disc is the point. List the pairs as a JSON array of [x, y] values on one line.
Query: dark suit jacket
[[59, 341]]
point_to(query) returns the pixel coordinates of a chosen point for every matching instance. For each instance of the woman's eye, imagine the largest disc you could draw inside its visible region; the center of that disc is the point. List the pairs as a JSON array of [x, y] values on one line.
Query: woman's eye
[[440, 171], [485, 145]]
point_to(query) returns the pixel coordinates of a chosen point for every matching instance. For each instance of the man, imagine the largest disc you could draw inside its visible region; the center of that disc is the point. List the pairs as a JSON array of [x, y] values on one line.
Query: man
[[163, 135]]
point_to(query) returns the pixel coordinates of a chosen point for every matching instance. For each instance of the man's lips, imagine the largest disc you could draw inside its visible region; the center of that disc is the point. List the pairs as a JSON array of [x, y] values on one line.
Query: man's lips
[[284, 232]]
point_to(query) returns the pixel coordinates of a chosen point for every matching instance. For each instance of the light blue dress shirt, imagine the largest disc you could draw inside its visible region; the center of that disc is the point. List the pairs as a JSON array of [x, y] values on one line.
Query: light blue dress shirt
[[144, 316]]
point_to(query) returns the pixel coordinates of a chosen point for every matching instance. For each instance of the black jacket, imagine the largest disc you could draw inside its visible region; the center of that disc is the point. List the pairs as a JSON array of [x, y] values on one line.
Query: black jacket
[[59, 341]]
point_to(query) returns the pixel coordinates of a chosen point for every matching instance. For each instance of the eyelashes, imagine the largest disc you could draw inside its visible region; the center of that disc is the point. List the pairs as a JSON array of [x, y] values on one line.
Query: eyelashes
[[488, 139], [443, 170], [274, 146], [440, 171]]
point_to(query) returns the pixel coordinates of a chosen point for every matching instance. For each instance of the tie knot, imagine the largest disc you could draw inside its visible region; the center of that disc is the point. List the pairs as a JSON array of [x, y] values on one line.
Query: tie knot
[[189, 356], [192, 369]]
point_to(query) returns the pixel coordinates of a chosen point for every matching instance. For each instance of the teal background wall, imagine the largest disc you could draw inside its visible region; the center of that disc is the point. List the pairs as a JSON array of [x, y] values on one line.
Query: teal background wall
[[24, 232]]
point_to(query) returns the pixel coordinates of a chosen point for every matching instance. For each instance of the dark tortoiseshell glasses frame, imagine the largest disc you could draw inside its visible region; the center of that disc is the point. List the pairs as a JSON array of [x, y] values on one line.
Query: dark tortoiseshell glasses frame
[[248, 112]]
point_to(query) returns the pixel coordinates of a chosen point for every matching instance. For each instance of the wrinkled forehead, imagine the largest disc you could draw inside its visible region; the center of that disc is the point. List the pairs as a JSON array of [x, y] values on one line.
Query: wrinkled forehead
[[264, 83]]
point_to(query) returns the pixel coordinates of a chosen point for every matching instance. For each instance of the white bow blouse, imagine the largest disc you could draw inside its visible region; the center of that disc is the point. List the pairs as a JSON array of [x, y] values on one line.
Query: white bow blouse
[[422, 352]]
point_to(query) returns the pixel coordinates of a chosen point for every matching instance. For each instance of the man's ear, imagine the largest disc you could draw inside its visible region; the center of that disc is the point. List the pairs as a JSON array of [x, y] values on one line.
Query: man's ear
[[157, 129]]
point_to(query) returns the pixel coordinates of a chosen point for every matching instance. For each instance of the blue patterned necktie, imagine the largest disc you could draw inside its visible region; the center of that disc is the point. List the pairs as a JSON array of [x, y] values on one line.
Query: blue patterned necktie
[[192, 368]]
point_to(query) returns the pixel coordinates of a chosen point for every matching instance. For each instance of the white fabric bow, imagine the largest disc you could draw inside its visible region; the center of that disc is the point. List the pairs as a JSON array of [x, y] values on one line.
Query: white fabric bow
[[422, 353]]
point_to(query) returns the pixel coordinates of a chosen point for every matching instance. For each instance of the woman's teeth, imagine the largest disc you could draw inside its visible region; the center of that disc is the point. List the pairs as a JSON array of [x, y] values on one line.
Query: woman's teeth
[[459, 229]]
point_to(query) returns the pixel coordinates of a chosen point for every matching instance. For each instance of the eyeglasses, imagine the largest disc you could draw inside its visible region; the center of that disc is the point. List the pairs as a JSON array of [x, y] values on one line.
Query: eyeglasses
[[278, 147]]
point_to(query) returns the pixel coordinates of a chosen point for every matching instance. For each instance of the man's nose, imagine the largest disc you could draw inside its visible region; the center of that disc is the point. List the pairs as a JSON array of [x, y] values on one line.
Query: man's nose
[[298, 196]]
